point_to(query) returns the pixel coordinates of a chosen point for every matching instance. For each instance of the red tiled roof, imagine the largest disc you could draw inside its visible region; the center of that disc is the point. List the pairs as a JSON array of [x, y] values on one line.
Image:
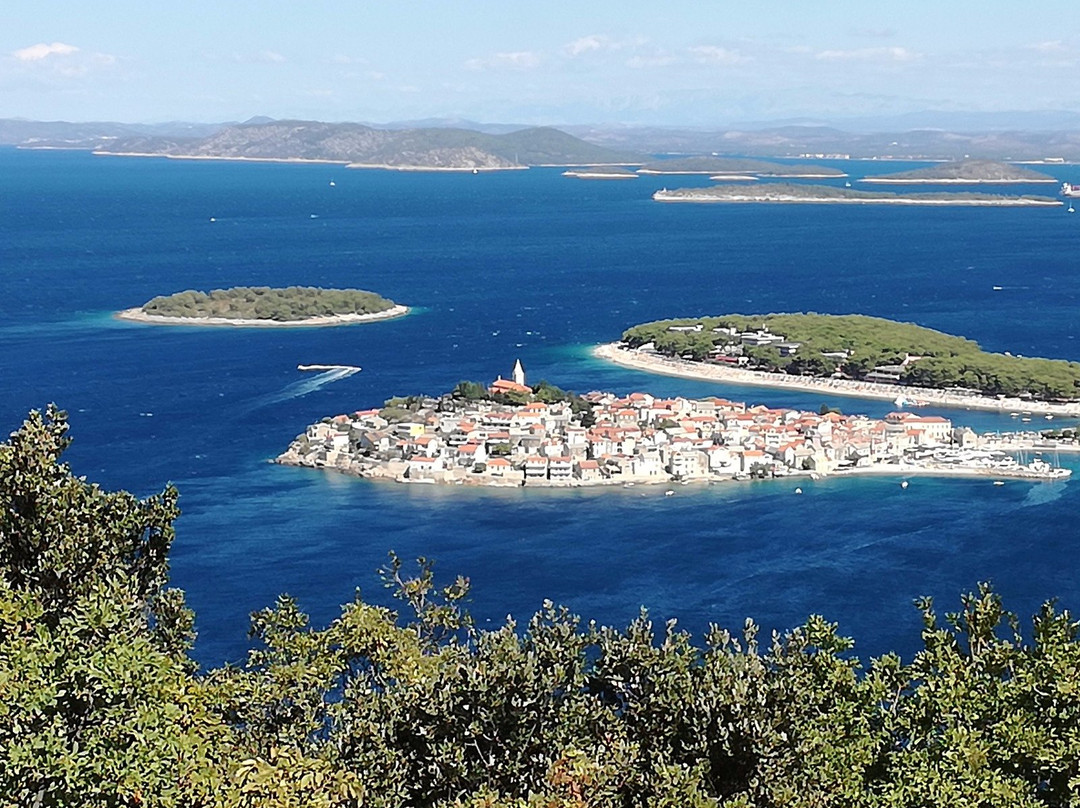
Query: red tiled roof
[[507, 386]]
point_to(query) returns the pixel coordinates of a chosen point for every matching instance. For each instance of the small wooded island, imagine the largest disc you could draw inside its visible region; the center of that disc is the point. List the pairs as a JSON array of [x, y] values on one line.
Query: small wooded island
[[827, 194], [964, 172], [266, 306], [851, 355]]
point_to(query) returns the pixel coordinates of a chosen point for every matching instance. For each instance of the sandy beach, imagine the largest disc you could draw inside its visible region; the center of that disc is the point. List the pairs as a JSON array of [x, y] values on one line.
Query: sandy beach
[[653, 363], [139, 316]]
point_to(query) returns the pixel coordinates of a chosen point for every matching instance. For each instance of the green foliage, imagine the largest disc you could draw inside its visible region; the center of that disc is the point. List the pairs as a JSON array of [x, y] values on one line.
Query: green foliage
[[97, 701], [944, 360], [469, 391], [100, 704], [266, 303]]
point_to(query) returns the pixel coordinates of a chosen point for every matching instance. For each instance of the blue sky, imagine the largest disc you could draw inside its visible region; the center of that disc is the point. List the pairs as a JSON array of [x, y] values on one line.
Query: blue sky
[[673, 62]]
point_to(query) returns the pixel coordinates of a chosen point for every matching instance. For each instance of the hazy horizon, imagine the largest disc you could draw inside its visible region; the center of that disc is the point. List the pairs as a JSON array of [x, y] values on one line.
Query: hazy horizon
[[679, 65]]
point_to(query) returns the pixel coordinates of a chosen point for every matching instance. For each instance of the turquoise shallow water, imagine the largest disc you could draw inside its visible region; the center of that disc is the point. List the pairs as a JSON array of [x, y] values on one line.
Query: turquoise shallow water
[[522, 264]]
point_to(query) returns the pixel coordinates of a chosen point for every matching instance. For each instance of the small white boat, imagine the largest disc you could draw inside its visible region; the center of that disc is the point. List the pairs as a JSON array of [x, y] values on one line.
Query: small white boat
[[997, 288], [904, 484], [321, 368], [332, 183], [669, 493], [999, 482], [798, 490]]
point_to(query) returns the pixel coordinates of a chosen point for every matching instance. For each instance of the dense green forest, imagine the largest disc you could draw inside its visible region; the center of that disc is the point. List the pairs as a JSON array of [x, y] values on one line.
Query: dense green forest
[[945, 360], [266, 303], [101, 704]]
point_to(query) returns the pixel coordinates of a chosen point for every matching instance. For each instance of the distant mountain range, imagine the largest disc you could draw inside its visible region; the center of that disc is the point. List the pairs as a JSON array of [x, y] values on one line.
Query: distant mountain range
[[440, 143], [62, 134], [817, 142]]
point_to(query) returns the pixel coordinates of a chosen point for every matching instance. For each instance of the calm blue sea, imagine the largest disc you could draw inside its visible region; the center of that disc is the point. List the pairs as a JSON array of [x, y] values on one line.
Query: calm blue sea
[[499, 266]]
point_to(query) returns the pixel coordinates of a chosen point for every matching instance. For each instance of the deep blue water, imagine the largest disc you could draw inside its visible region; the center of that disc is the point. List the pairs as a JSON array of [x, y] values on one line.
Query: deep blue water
[[518, 264]]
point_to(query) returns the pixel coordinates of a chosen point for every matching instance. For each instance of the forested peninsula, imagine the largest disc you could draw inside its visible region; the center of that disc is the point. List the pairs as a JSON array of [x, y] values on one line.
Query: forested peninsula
[[869, 349], [264, 305], [102, 704]]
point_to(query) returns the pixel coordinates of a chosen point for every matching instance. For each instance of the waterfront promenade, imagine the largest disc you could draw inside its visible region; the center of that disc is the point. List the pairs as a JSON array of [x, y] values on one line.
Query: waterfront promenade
[[669, 366]]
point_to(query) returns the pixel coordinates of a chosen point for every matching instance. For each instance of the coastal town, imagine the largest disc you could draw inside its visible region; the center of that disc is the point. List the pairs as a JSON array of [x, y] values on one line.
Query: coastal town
[[503, 435]]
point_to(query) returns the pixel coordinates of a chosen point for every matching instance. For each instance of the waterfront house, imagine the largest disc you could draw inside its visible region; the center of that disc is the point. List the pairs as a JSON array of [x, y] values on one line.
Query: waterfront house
[[536, 467], [499, 467], [588, 471], [560, 468], [686, 464], [648, 463], [424, 468]]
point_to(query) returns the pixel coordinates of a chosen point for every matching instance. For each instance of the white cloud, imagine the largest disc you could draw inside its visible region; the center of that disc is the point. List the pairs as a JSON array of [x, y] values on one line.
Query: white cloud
[[1052, 46], [657, 59], [586, 44], [265, 57], [594, 43], [714, 55], [894, 54], [35, 53], [516, 60], [60, 60]]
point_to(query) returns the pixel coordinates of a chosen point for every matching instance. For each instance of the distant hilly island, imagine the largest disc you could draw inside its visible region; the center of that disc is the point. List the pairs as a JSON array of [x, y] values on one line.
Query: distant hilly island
[[364, 146], [965, 172], [463, 144]]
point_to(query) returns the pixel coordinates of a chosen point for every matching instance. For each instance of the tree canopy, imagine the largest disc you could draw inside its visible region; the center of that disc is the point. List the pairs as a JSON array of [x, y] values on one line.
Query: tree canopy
[[100, 703], [267, 303], [936, 359]]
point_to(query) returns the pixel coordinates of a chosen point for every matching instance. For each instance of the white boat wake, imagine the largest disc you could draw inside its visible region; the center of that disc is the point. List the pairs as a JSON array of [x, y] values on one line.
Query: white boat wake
[[306, 386], [1042, 494]]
